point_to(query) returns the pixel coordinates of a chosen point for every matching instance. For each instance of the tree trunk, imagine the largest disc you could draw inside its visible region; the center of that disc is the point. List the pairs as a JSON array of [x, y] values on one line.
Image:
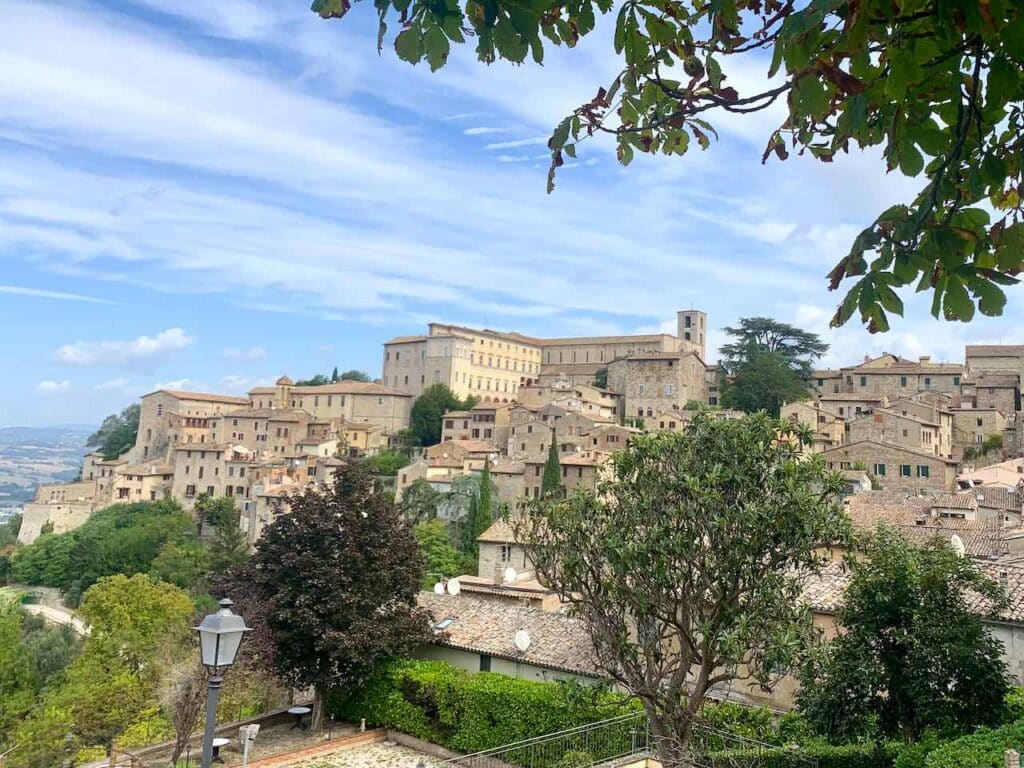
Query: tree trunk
[[179, 747], [316, 724]]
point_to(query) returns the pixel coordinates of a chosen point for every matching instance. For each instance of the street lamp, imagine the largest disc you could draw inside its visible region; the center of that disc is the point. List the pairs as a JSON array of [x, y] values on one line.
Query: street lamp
[[220, 634]]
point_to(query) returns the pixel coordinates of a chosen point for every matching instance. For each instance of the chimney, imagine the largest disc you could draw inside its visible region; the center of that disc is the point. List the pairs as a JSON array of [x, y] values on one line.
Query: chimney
[[1004, 579], [925, 359]]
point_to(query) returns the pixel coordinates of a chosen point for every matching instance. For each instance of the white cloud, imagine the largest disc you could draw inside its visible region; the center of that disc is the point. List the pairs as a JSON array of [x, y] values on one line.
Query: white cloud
[[116, 383], [483, 130], [531, 142], [141, 353], [50, 387], [39, 293], [244, 355]]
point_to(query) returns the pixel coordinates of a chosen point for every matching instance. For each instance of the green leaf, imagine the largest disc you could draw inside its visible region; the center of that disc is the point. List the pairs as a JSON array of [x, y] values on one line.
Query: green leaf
[[888, 298], [435, 47], [409, 45], [1003, 82], [911, 161], [330, 9], [957, 304], [991, 298]]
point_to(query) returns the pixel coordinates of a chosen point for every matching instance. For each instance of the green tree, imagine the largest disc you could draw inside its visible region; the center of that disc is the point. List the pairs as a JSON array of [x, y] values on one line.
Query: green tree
[[184, 564], [45, 561], [419, 502], [428, 410], [117, 432], [9, 531], [388, 462], [480, 515], [763, 383], [794, 346], [936, 86], [361, 608], [334, 375], [355, 375], [601, 378], [683, 564], [17, 686], [913, 655], [443, 559], [230, 547], [551, 481], [211, 510], [134, 616]]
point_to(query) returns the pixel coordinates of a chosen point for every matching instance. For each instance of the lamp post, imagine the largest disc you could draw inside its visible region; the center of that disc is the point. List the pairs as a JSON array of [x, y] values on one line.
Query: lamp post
[[220, 634]]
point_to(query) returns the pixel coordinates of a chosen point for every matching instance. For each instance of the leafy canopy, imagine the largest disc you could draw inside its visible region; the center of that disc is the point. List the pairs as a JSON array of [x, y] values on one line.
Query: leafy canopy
[[764, 382], [913, 655], [117, 432], [682, 564], [339, 576], [937, 86], [430, 408], [796, 347]]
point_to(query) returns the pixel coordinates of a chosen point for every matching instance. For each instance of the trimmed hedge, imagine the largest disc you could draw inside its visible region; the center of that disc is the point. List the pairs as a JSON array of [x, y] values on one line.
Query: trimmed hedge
[[982, 749], [809, 756], [467, 712]]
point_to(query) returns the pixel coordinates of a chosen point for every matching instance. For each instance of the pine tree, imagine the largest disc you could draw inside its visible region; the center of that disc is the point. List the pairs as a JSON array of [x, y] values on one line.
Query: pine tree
[[551, 482], [469, 524], [334, 375]]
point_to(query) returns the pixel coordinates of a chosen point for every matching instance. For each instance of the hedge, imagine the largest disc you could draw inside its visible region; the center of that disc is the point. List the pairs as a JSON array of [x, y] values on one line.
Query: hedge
[[982, 749], [467, 712], [813, 755]]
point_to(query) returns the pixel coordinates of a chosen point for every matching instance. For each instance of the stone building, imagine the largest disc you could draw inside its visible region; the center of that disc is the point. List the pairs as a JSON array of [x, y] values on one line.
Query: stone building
[[903, 430], [651, 383], [169, 417], [493, 365], [578, 470], [891, 376], [144, 482], [848, 406], [355, 401], [274, 430], [982, 358], [829, 430], [971, 426], [893, 467], [998, 390], [58, 508]]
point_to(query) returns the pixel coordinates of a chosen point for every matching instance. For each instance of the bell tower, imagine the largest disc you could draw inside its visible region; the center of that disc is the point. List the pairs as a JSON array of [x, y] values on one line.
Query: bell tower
[[692, 331]]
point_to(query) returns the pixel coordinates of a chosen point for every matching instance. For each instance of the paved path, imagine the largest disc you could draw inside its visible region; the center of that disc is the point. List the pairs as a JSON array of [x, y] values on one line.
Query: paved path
[[58, 616]]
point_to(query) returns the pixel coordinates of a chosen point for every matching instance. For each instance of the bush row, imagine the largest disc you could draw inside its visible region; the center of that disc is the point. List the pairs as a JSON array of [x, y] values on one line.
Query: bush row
[[810, 755]]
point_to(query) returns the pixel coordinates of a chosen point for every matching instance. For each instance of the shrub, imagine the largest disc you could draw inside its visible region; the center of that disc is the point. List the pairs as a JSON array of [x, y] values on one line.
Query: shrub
[[982, 749], [467, 712], [1014, 702], [813, 755]]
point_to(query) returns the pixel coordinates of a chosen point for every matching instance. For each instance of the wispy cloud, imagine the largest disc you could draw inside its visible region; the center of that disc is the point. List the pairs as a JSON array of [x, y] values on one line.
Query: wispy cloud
[[51, 387], [40, 293], [531, 142], [483, 130], [141, 353]]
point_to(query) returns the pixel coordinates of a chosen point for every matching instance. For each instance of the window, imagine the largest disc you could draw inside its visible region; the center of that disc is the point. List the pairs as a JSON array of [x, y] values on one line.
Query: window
[[904, 470], [927, 382], [904, 433], [979, 438], [880, 470], [190, 491], [821, 382], [669, 390], [209, 489], [922, 471], [506, 553], [201, 472], [863, 381], [903, 381], [449, 424], [640, 389], [485, 662], [956, 381]]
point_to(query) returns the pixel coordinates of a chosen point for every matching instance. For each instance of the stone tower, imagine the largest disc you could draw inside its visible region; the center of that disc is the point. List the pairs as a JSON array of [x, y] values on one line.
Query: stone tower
[[692, 331]]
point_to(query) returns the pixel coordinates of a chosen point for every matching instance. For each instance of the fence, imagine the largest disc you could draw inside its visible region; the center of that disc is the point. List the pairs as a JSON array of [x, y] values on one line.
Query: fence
[[606, 742]]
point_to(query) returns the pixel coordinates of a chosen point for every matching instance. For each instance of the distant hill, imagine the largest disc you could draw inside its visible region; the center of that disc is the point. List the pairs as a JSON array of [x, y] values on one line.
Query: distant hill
[[30, 456]]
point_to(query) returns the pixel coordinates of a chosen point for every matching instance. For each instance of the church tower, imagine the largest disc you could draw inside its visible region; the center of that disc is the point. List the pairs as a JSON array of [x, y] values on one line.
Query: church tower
[[692, 331]]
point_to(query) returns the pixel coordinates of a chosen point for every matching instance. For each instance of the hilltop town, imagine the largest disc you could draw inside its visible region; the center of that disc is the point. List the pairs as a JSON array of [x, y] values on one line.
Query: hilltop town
[[890, 425]]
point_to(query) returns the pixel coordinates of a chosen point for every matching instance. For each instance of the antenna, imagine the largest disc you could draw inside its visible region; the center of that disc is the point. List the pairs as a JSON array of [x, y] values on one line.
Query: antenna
[[523, 640], [454, 587]]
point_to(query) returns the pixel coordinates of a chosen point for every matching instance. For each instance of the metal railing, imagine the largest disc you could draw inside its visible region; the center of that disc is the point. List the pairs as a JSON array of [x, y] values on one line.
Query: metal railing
[[593, 744], [608, 743]]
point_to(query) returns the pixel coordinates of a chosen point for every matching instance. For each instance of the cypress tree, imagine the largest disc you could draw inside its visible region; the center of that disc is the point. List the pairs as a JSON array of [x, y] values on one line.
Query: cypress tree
[[334, 375], [551, 482], [485, 505]]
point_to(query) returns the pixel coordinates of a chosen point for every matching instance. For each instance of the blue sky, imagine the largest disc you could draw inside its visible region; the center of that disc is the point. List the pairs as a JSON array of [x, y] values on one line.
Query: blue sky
[[210, 194]]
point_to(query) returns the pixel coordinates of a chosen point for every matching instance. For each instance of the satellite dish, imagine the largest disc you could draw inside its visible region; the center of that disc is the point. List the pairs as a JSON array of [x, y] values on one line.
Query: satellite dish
[[523, 640], [957, 545], [510, 574], [439, 588], [454, 587]]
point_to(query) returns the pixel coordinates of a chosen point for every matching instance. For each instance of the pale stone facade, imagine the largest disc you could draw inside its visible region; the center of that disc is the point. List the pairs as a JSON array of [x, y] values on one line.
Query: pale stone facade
[[145, 482], [653, 383], [58, 508], [829, 430], [891, 376], [905, 431], [356, 401], [170, 417], [893, 467], [971, 426]]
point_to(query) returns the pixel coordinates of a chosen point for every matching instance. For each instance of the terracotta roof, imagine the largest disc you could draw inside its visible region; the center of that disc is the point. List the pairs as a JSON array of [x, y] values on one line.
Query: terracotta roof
[[488, 626], [866, 398], [148, 469], [406, 339], [205, 397], [826, 373], [997, 498], [500, 532], [274, 414], [606, 339], [997, 379], [824, 592], [911, 516], [284, 381], [954, 501], [994, 350], [892, 447], [457, 414]]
